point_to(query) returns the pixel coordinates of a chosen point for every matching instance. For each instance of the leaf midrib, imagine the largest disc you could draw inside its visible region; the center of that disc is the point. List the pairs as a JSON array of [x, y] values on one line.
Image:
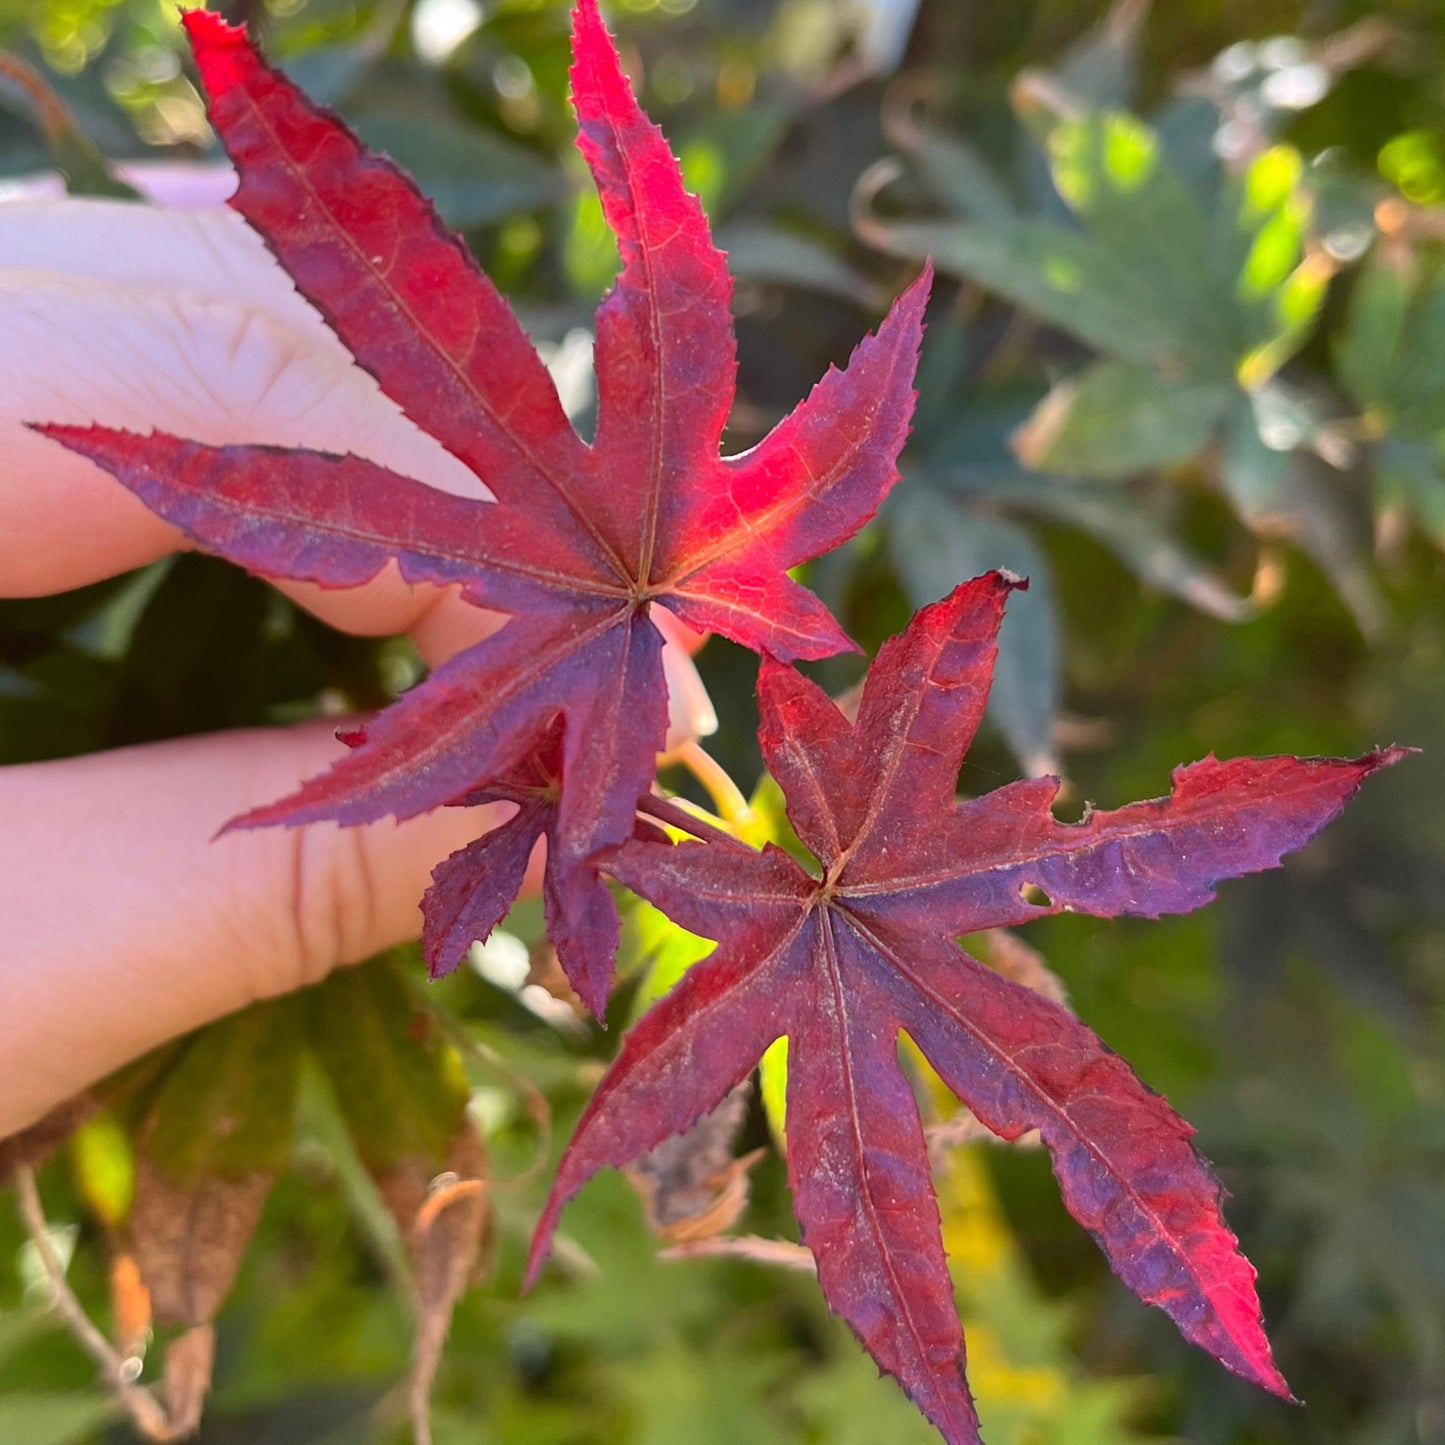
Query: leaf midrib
[[1006, 1062], [832, 972], [396, 547], [482, 403], [1179, 818]]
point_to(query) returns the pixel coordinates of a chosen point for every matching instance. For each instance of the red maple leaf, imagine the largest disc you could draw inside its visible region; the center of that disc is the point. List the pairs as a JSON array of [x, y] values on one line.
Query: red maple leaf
[[584, 540], [843, 961]]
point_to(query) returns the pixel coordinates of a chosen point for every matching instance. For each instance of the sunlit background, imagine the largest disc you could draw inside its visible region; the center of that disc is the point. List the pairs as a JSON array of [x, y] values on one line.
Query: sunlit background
[[1185, 369]]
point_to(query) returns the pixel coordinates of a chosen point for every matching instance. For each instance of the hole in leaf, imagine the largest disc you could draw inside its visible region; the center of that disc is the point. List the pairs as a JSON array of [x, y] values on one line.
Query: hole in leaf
[[1032, 893]]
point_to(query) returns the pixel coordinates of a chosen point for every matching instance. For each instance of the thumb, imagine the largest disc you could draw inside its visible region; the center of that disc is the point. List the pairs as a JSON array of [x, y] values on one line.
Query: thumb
[[127, 922]]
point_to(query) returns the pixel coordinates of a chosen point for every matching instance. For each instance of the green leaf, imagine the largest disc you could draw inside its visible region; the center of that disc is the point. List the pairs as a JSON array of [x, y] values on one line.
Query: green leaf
[[845, 1403], [103, 1162], [934, 547], [727, 148], [1415, 162], [769, 808], [78, 159], [1102, 69], [1333, 533], [1111, 170], [761, 251], [1116, 519], [1059, 276], [714, 1395], [1368, 344], [1150, 277], [53, 706], [399, 1083], [53, 1419], [1252, 471], [942, 372], [664, 948], [1186, 127], [773, 1089], [961, 178], [1116, 419], [226, 1105], [1391, 353], [473, 175], [1413, 472], [329, 73]]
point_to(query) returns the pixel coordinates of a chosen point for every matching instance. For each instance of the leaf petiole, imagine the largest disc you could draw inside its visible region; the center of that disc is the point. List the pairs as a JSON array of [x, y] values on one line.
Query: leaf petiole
[[685, 817], [727, 797]]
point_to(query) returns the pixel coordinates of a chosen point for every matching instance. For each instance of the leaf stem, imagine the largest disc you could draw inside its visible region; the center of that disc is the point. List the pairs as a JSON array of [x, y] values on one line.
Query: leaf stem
[[675, 815], [727, 797], [143, 1408]]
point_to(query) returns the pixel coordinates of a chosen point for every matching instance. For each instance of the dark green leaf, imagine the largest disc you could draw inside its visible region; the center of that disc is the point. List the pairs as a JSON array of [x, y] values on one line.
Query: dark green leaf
[[399, 1082], [1116, 419], [1120, 523], [473, 175], [960, 177], [935, 546], [1413, 472], [1251, 471], [1056, 275], [226, 1104]]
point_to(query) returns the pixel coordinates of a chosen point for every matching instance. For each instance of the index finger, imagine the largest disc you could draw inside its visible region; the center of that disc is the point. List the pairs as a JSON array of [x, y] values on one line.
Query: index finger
[[133, 317]]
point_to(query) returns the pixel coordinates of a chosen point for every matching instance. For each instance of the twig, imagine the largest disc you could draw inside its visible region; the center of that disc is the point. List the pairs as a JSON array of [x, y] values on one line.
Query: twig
[[750, 1247], [52, 113], [142, 1407]]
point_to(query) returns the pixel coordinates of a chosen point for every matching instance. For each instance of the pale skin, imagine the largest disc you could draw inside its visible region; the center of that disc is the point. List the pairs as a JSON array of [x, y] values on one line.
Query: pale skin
[[124, 923], [123, 920]]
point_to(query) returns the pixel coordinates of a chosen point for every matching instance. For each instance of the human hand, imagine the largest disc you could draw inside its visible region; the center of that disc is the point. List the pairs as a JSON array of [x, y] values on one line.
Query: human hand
[[122, 923]]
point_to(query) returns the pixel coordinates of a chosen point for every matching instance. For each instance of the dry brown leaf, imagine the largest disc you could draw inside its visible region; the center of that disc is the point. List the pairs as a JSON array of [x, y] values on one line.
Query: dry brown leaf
[[188, 1378], [691, 1185], [446, 1221], [189, 1240]]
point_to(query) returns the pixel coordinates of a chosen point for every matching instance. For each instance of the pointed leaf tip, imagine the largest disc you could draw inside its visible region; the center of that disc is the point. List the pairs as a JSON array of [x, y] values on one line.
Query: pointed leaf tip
[[589, 14], [907, 871], [222, 50], [593, 41], [975, 607], [910, 304]]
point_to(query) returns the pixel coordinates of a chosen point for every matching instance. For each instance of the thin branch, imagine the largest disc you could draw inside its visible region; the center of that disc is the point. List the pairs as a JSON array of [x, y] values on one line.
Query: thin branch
[[142, 1407], [52, 113], [751, 1247]]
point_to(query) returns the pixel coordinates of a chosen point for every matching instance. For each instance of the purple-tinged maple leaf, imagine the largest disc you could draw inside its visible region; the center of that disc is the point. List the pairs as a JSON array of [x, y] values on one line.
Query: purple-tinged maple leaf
[[842, 962], [584, 540], [472, 890]]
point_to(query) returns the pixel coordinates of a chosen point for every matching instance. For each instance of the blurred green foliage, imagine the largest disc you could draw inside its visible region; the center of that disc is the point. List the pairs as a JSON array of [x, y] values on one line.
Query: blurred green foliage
[[1185, 371]]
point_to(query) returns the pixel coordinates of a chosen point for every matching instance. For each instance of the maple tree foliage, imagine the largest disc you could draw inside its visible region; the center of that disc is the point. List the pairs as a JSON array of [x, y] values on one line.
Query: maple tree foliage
[[841, 962], [584, 540], [563, 710]]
